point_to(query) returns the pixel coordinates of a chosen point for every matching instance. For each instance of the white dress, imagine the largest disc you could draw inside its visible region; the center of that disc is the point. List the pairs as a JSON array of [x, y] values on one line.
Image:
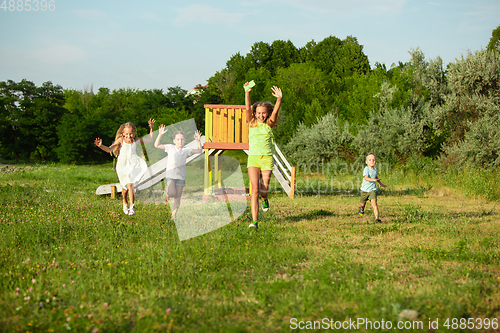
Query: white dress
[[129, 166]]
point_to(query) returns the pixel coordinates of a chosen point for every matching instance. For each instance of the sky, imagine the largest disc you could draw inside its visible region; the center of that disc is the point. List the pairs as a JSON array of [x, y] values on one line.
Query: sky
[[153, 44]]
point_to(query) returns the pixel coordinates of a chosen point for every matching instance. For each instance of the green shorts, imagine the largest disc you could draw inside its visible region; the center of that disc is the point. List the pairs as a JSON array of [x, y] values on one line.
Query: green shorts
[[368, 195], [263, 162]]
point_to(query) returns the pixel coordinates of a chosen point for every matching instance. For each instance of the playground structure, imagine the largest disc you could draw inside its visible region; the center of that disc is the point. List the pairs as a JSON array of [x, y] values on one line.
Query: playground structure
[[226, 128]]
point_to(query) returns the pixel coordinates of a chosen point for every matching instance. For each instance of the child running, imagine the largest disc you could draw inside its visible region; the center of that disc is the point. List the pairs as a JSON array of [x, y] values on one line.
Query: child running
[[176, 164], [369, 186], [261, 117], [129, 166]]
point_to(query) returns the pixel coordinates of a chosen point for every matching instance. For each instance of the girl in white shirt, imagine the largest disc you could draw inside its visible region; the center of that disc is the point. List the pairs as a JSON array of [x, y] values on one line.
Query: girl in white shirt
[[176, 165]]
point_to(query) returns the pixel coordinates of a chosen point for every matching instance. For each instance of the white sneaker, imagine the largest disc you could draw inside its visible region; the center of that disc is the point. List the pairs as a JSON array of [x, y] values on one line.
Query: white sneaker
[[131, 210], [254, 225], [125, 209]]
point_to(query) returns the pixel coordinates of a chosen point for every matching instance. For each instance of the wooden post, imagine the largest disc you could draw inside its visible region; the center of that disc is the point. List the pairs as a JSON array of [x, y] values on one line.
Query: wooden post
[[292, 183], [113, 192]]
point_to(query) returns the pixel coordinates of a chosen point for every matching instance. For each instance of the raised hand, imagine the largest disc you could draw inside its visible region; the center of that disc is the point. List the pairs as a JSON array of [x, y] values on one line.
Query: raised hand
[[277, 92], [98, 142], [248, 86], [197, 135], [151, 123], [162, 129]]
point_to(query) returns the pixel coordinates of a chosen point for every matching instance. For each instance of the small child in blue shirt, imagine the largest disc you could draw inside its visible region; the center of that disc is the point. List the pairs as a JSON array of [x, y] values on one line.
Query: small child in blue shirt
[[369, 186]]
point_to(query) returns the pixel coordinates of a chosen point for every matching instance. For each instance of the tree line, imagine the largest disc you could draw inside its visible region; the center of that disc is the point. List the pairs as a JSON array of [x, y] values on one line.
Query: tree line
[[48, 123], [334, 107]]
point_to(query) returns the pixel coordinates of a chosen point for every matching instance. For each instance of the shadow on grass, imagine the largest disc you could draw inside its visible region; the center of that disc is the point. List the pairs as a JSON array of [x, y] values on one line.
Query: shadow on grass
[[311, 215]]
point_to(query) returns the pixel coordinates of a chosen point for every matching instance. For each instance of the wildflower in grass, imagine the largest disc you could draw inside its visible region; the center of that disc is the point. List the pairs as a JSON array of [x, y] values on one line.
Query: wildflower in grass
[[28, 260], [68, 319], [105, 305], [95, 330], [30, 290], [33, 281], [167, 311]]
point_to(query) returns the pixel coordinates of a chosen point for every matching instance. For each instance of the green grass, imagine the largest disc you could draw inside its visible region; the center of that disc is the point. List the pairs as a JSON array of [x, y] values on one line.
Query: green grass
[[72, 261]]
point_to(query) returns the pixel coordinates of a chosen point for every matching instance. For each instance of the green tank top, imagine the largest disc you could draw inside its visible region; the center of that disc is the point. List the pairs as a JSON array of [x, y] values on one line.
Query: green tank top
[[260, 140]]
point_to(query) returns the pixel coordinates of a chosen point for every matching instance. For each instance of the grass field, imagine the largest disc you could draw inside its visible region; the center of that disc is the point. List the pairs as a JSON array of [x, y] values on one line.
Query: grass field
[[72, 261]]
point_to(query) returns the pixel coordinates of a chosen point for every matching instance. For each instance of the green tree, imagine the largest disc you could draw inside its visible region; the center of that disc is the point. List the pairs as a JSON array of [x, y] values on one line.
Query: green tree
[[474, 82], [30, 116], [301, 84], [359, 99], [494, 44]]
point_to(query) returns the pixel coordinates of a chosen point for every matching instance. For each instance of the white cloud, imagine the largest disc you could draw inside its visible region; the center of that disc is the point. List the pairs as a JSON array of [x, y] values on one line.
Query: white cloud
[[205, 14], [90, 14]]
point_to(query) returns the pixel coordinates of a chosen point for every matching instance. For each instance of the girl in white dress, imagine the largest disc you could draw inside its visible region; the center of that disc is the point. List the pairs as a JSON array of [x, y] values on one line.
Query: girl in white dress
[[130, 167]]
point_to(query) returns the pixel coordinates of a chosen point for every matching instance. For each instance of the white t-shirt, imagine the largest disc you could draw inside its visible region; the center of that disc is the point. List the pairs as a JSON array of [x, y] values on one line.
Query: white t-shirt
[[176, 163]]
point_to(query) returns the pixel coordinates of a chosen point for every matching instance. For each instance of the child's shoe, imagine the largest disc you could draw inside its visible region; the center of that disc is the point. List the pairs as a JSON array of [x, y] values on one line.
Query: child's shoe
[[265, 205], [131, 210], [254, 225], [378, 220], [361, 211], [125, 209]]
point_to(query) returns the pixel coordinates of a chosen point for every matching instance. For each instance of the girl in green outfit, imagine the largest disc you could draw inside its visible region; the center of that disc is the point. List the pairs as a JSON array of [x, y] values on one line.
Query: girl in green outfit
[[261, 118]]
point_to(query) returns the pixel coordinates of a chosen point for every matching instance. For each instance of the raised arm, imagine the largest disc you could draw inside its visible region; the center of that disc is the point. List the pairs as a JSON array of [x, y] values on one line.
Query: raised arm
[[248, 104], [161, 130], [197, 136], [151, 123], [117, 143], [274, 116]]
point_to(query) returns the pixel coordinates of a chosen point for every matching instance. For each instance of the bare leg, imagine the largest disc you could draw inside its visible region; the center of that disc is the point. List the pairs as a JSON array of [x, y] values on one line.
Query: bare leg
[[124, 196], [254, 175], [177, 201], [171, 190], [264, 183], [375, 208], [131, 194]]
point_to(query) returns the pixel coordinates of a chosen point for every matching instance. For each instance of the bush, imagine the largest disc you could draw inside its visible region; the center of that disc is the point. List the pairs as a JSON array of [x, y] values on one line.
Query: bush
[[326, 140]]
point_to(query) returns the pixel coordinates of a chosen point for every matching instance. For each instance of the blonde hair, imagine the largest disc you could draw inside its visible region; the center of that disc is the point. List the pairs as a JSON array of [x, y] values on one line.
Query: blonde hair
[[179, 132], [119, 134], [369, 155], [269, 108]]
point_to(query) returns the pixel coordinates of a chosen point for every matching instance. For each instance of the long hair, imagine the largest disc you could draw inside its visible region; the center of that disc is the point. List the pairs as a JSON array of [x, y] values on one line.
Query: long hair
[[119, 134], [269, 108]]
